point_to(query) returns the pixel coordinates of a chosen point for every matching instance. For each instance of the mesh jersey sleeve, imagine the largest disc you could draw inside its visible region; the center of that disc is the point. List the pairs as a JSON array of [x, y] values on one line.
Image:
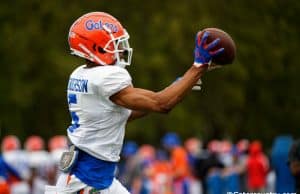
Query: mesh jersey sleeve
[[115, 80]]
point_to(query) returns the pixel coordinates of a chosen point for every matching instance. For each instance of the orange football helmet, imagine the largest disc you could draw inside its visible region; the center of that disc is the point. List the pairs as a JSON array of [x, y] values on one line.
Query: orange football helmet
[[58, 142], [34, 143], [100, 38], [10, 142]]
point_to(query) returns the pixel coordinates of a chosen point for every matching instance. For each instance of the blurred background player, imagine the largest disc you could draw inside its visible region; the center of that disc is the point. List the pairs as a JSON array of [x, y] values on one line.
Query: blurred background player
[[257, 168], [39, 162], [194, 150], [242, 147], [284, 181], [179, 163], [210, 168], [14, 165], [129, 168], [102, 99], [143, 181]]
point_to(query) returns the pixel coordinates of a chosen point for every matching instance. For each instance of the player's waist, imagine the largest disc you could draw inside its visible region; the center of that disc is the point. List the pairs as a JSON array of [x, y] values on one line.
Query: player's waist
[[107, 151], [93, 171]]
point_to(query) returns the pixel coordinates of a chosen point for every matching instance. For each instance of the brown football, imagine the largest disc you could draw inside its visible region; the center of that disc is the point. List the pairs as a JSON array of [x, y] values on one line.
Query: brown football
[[226, 42]]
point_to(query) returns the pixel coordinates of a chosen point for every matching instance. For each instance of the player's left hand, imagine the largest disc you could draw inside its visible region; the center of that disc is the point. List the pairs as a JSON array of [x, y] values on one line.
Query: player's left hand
[[203, 52]]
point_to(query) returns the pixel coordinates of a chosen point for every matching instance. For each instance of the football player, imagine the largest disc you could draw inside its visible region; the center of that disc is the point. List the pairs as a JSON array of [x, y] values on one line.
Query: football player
[[102, 99]]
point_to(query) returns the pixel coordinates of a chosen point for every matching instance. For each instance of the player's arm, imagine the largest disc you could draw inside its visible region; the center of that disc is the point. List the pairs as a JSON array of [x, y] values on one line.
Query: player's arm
[[163, 101], [135, 114], [143, 101]]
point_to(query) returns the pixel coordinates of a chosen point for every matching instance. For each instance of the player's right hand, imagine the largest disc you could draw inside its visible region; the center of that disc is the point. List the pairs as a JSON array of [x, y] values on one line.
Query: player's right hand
[[203, 52]]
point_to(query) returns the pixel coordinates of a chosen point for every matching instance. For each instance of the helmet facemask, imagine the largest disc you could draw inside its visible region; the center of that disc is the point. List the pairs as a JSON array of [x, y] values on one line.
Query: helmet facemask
[[120, 48]]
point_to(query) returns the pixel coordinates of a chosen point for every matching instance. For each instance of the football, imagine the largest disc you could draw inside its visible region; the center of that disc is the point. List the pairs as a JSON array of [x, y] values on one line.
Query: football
[[226, 42]]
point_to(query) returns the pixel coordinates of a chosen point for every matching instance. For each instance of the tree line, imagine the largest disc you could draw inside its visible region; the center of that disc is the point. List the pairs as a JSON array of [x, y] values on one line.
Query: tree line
[[255, 97]]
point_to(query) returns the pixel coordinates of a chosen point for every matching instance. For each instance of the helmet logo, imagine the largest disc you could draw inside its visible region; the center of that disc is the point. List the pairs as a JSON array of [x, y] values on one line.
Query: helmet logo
[[91, 25]]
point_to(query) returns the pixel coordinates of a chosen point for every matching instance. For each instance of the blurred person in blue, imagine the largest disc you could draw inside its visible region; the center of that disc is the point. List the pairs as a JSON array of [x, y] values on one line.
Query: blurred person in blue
[[231, 173], [193, 146], [102, 99], [284, 181], [214, 182], [211, 168]]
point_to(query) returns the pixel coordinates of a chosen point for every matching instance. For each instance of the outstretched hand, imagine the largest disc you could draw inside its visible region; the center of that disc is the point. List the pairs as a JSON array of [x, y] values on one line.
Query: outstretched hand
[[203, 52]]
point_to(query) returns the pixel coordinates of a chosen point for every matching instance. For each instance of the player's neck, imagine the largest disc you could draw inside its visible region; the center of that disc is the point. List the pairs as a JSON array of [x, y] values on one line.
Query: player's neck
[[90, 64]]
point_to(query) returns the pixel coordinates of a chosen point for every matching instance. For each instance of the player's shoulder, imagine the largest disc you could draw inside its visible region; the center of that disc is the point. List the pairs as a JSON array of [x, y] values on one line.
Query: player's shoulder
[[111, 71], [107, 69], [112, 68], [78, 69], [103, 69], [108, 74]]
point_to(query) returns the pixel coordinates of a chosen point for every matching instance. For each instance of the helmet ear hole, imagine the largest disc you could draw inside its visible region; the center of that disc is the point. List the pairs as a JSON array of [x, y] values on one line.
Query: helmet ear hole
[[101, 50]]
